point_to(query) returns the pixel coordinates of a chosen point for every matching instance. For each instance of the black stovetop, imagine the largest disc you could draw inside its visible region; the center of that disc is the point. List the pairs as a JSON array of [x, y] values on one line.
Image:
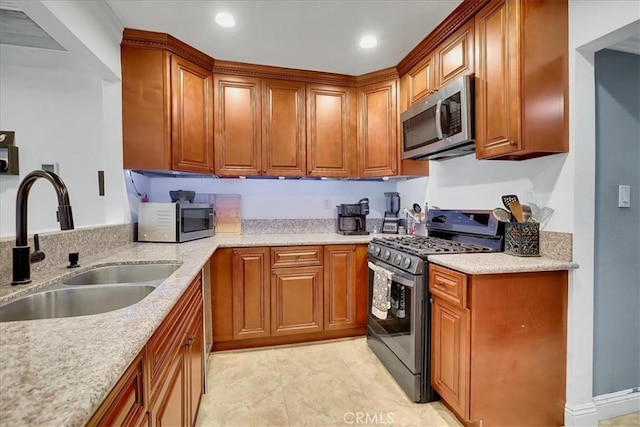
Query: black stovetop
[[424, 246]]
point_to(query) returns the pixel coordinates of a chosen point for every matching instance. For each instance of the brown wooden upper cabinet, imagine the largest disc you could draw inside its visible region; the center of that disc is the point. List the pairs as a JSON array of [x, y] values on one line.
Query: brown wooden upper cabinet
[[259, 126], [237, 123], [167, 103], [331, 130], [455, 56], [420, 81], [521, 82], [378, 129], [283, 128]]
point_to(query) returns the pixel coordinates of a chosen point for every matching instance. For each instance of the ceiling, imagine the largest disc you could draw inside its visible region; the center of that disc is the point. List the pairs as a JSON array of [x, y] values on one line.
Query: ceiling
[[630, 45], [321, 35]]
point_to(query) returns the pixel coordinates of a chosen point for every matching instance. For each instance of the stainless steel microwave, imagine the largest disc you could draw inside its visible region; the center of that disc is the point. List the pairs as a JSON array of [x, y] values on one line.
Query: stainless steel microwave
[[441, 126], [174, 222]]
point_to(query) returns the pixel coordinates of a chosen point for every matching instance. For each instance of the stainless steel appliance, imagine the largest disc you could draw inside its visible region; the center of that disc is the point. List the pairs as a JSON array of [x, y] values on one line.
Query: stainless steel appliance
[[174, 222], [441, 126], [352, 218], [391, 222], [402, 341]]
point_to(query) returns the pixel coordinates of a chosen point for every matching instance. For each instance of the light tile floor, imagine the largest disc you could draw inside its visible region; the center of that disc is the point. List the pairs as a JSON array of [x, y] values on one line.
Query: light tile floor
[[323, 384]]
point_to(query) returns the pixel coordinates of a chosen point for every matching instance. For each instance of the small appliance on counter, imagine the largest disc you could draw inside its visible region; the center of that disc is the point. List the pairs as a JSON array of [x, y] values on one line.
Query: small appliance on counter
[[352, 218], [391, 222], [174, 222]]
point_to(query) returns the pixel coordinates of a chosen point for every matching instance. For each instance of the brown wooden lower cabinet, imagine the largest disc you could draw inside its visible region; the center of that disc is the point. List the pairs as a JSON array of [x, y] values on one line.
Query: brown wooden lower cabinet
[[498, 347], [312, 293], [170, 394]]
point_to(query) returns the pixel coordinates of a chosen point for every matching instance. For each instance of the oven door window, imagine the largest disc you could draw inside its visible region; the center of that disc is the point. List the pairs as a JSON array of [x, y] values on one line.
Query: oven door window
[[401, 331], [195, 220]]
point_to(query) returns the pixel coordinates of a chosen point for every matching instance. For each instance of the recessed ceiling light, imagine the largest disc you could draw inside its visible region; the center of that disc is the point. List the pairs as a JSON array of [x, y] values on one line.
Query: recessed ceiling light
[[225, 19], [367, 42]]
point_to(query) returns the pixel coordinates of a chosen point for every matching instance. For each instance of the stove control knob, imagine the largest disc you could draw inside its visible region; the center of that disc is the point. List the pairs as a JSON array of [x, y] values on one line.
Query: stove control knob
[[371, 248], [376, 250], [397, 259], [386, 254], [406, 262]]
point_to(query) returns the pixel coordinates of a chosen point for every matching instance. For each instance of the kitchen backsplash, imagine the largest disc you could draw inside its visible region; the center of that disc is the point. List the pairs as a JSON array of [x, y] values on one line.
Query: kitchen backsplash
[[298, 226], [58, 245], [556, 245]]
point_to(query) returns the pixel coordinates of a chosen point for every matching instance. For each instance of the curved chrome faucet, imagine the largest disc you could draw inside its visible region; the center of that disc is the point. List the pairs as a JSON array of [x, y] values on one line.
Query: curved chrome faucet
[[21, 252]]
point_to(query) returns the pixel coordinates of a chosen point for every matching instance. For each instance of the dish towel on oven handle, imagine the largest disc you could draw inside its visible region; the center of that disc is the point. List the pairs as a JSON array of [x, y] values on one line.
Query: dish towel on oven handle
[[381, 301]]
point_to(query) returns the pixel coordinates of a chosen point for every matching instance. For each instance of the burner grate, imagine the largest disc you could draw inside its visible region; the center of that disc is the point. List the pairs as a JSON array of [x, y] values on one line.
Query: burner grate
[[423, 246]]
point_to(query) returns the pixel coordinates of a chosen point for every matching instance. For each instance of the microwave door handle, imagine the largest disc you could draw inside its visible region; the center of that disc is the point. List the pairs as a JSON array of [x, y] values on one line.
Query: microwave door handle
[[439, 119]]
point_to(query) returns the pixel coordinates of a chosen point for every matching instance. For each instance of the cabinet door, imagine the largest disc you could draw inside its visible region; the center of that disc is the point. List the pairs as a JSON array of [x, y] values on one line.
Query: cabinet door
[[454, 57], [169, 409], [237, 126], [450, 355], [125, 405], [296, 300], [331, 127], [339, 287], [420, 80], [146, 109], [497, 80], [251, 300], [377, 133], [283, 131], [195, 365], [191, 121]]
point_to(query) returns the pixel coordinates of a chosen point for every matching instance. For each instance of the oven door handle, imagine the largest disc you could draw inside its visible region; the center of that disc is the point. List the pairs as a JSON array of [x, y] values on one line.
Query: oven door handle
[[396, 278], [405, 282]]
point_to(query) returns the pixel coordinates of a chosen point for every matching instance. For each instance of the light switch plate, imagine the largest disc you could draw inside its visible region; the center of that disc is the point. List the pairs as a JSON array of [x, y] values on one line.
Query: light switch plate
[[624, 196]]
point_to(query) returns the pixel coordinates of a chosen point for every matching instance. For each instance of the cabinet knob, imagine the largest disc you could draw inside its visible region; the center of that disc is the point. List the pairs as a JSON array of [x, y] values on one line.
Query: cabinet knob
[[441, 284], [190, 341]]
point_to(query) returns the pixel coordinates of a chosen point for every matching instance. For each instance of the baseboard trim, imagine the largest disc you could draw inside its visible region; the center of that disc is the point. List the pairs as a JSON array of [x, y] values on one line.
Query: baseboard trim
[[581, 415], [616, 404]]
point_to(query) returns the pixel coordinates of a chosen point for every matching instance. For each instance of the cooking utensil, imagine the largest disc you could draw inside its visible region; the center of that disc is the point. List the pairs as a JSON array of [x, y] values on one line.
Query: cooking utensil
[[417, 208], [502, 215], [508, 198], [182, 196], [516, 210], [526, 213]]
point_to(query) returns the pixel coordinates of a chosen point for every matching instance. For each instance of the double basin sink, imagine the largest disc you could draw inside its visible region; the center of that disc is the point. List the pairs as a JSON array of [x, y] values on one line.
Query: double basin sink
[[95, 291]]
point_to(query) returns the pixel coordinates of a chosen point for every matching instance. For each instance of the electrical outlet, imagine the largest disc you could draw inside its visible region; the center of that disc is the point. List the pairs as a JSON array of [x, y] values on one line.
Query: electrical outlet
[[326, 203]]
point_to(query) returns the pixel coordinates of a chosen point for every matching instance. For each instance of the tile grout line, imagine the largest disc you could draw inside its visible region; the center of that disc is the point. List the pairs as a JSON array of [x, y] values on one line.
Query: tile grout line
[[284, 396]]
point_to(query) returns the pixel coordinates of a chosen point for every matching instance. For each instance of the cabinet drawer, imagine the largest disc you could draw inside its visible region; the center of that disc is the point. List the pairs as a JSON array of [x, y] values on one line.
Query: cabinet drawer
[[448, 284], [296, 256]]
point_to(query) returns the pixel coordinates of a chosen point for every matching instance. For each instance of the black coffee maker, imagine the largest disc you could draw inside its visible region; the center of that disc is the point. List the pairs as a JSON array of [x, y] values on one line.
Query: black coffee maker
[[352, 218]]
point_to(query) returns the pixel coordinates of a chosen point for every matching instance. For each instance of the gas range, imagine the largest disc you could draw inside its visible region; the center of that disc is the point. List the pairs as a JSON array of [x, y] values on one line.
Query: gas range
[[451, 232], [407, 252]]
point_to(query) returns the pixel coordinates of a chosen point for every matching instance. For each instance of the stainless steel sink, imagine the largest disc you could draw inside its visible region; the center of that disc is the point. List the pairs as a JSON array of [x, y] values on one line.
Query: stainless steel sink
[[74, 302], [135, 273]]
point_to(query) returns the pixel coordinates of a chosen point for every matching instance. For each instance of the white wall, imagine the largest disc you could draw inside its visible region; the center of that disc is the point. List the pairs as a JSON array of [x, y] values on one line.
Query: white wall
[[281, 199], [66, 107]]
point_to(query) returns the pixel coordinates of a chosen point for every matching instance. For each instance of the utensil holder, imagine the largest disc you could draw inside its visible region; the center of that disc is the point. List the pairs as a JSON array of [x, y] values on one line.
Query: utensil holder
[[522, 239]]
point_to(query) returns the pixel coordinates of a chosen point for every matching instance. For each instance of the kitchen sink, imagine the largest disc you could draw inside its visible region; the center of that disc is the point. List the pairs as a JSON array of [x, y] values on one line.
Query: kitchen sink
[[74, 302], [131, 273]]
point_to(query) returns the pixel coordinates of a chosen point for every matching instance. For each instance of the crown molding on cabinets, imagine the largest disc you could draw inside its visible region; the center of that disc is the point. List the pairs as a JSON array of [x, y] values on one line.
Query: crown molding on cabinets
[[280, 73], [377, 76], [150, 39], [450, 25]]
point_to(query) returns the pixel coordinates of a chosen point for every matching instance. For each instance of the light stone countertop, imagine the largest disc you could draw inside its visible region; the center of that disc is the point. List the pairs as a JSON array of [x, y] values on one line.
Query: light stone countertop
[[497, 263], [56, 372]]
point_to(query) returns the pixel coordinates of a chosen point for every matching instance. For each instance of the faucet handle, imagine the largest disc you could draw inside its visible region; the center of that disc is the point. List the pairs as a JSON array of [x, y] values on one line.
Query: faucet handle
[[37, 255]]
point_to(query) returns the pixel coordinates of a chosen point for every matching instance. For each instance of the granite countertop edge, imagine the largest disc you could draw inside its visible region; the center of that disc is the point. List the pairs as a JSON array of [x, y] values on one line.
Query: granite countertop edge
[[70, 385], [499, 263]]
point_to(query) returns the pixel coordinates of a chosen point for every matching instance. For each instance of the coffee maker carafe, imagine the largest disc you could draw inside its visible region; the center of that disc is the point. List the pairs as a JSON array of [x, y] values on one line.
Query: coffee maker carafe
[[352, 218], [391, 222]]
